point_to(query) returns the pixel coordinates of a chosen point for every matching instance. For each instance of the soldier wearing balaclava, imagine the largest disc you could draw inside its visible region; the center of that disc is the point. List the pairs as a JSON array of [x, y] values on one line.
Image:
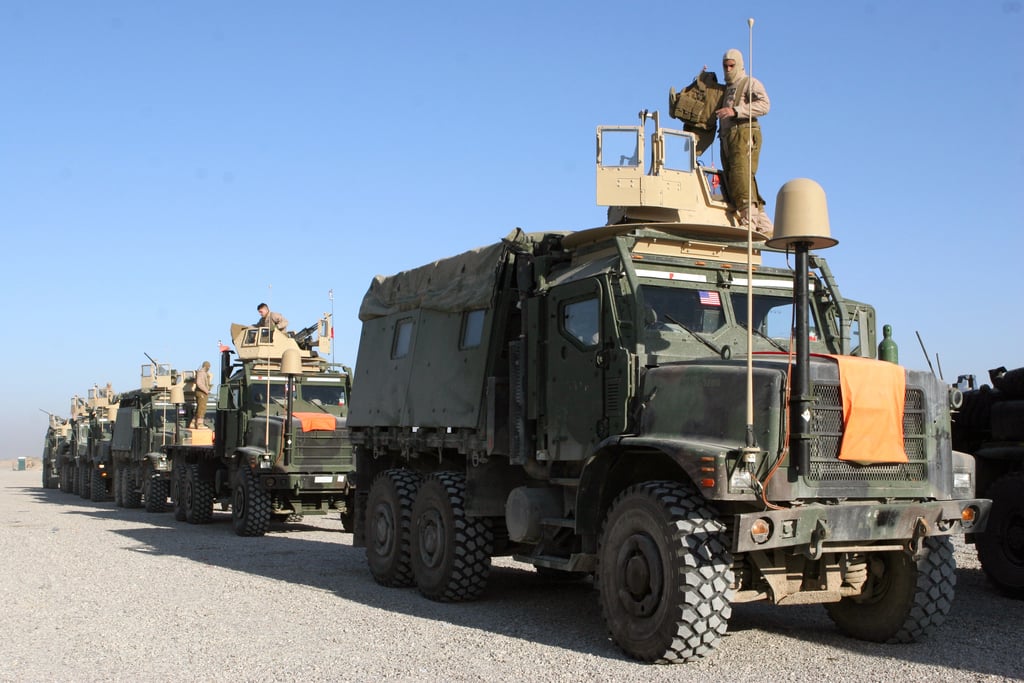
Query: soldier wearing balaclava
[[745, 101]]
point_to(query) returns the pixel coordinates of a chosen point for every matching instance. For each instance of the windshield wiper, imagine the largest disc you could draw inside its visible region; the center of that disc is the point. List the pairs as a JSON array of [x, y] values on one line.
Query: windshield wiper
[[768, 339], [723, 352]]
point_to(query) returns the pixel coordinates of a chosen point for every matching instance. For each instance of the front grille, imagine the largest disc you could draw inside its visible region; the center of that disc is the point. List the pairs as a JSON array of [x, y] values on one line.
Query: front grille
[[827, 428], [322, 452]]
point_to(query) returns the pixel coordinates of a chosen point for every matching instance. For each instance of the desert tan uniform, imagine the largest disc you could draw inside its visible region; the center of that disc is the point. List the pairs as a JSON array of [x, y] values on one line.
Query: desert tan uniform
[[735, 134], [202, 393], [274, 320]]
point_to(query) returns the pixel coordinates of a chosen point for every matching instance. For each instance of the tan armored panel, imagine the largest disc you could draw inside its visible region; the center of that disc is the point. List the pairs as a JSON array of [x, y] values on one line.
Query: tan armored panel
[[664, 186], [266, 347]]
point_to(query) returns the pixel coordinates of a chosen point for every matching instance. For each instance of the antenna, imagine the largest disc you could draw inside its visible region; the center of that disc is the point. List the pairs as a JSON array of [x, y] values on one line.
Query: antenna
[[330, 295], [751, 441], [927, 360]]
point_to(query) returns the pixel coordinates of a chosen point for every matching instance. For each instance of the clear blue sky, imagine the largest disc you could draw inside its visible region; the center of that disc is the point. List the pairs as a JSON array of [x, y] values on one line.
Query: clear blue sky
[[165, 166]]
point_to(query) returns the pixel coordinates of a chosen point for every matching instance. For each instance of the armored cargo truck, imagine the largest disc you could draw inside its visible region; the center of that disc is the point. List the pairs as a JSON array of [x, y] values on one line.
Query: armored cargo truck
[[990, 425], [58, 433], [86, 463], [98, 479], [67, 452], [280, 445], [149, 419], [576, 400]]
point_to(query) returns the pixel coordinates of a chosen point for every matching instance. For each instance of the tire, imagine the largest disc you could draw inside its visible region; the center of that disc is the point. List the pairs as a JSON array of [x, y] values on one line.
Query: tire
[[903, 600], [388, 521], [155, 495], [250, 504], [664, 573], [131, 496], [198, 497], [450, 552], [118, 479], [178, 471], [98, 486], [82, 489], [1001, 546], [65, 480]]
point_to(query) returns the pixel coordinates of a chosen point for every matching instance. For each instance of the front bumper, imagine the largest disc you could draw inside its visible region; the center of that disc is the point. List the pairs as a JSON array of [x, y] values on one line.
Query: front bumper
[[855, 526]]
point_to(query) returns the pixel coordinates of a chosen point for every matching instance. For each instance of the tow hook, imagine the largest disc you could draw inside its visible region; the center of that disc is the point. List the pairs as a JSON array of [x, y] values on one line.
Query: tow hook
[[818, 537], [920, 533]]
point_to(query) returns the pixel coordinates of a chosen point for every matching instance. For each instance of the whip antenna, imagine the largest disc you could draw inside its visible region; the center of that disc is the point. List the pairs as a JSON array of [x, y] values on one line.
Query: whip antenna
[[751, 441]]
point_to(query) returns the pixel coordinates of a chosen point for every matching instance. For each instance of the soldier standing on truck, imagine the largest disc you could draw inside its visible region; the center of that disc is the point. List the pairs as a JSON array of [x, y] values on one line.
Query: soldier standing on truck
[[202, 391], [745, 100], [271, 319]]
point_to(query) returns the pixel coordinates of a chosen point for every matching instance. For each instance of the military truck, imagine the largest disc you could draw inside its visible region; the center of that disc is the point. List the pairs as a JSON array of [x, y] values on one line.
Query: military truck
[[58, 432], [85, 462], [576, 400], [148, 419], [280, 444], [990, 425]]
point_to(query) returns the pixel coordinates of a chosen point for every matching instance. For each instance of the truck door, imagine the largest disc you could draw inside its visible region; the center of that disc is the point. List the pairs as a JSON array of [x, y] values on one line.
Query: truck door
[[582, 375]]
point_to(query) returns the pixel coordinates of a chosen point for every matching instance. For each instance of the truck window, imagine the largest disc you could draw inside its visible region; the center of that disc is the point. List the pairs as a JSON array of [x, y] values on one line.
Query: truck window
[[580, 321], [403, 338], [620, 148], [678, 155], [472, 329], [773, 315], [698, 309]]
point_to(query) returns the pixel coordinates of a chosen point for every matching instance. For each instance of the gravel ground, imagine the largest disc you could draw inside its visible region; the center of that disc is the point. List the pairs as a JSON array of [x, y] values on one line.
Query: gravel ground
[[91, 592]]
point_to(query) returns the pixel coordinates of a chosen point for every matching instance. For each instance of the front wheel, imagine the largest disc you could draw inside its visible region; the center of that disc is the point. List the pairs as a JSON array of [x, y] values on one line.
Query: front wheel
[[250, 504], [155, 493], [198, 496], [98, 486], [664, 573], [1001, 546], [450, 552], [903, 600]]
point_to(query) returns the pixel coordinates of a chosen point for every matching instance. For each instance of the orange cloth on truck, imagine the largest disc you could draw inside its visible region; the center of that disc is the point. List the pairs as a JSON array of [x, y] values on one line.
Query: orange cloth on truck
[[316, 422], [873, 395]]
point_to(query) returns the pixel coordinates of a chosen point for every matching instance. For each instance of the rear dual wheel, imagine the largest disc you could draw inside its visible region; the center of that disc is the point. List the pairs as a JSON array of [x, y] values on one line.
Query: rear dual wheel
[[450, 552]]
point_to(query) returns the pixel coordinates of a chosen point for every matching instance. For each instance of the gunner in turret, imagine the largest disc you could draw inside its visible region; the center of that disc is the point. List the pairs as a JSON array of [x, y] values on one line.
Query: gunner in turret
[[271, 319], [745, 100]]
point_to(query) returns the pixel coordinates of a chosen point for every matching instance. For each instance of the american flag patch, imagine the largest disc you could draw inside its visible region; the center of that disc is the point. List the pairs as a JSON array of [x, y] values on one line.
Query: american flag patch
[[710, 299]]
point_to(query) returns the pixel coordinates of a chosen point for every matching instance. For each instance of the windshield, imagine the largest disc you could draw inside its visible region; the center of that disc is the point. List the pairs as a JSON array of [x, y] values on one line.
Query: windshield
[[773, 315], [699, 310]]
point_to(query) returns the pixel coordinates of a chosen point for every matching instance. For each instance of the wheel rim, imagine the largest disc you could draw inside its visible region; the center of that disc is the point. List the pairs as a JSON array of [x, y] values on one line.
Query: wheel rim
[[384, 531], [432, 539], [639, 575], [238, 501], [1013, 538]]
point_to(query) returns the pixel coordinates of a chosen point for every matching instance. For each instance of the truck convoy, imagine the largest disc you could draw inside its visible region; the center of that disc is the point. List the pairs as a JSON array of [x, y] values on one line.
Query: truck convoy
[[990, 425], [576, 400], [279, 447]]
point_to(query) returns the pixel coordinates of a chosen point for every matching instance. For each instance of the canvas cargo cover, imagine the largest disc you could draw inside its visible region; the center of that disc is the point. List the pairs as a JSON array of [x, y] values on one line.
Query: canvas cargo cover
[[451, 285]]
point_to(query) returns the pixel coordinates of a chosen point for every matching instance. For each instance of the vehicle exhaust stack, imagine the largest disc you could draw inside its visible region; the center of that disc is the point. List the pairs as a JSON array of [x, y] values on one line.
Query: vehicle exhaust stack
[[801, 224]]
